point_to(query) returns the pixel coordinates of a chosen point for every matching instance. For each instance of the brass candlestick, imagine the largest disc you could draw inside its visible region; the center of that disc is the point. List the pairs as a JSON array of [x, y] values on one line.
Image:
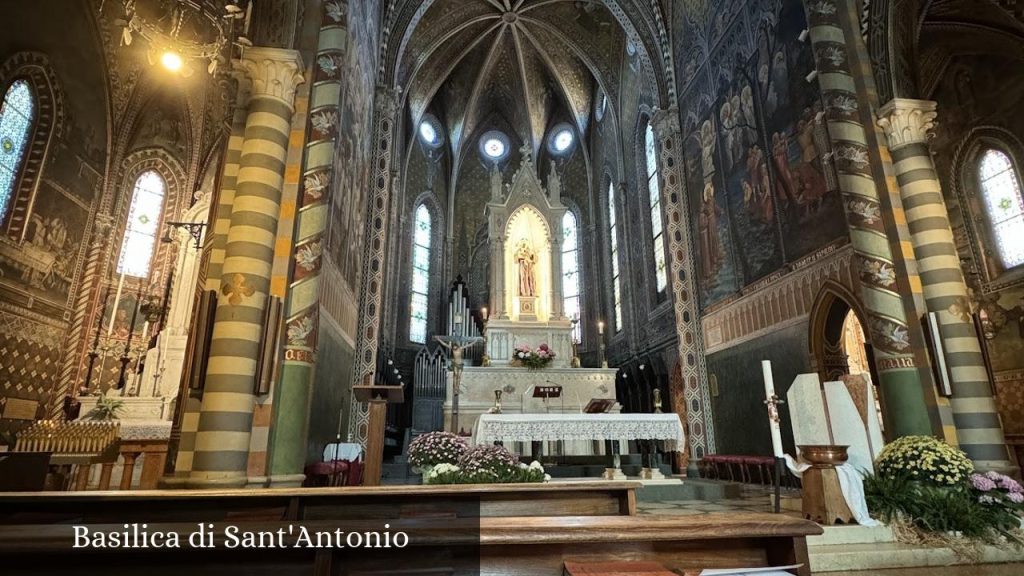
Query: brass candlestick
[[496, 409], [657, 401]]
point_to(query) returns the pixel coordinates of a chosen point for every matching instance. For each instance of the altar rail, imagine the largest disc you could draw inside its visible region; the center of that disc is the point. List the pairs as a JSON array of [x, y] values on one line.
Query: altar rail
[[486, 500]]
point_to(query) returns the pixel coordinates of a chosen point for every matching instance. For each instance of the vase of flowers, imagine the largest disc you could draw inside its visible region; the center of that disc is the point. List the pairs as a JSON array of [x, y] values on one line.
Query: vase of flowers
[[429, 450], [534, 359]]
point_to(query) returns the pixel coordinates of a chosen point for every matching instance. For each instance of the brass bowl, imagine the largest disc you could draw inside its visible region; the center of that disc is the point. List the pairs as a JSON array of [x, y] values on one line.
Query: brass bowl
[[824, 455]]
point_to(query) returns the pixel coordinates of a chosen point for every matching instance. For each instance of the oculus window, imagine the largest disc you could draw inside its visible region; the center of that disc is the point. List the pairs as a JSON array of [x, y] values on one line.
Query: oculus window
[[494, 146]]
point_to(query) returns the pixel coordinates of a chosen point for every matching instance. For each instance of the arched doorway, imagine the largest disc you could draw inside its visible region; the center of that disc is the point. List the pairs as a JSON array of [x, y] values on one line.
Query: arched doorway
[[838, 342]]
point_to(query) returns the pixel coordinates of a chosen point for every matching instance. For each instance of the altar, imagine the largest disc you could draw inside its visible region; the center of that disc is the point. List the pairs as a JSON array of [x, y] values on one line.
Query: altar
[[528, 311]]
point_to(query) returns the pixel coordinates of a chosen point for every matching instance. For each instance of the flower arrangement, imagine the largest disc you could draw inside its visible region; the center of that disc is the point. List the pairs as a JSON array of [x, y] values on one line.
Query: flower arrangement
[[924, 459], [434, 448], [533, 359], [929, 490], [488, 465]]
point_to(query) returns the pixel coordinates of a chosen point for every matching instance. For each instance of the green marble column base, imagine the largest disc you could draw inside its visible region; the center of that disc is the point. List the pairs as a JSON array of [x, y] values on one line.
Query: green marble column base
[[903, 401], [289, 427]]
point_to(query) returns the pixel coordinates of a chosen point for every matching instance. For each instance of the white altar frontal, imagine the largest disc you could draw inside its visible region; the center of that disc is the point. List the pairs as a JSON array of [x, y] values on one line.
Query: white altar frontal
[[525, 291]]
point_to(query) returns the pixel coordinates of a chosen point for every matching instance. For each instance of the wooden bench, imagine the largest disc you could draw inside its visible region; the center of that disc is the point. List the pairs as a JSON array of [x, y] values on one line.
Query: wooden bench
[[510, 546], [486, 500]]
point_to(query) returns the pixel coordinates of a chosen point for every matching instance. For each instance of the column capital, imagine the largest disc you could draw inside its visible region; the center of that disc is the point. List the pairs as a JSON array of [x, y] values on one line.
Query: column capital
[[271, 73], [907, 121], [665, 122]]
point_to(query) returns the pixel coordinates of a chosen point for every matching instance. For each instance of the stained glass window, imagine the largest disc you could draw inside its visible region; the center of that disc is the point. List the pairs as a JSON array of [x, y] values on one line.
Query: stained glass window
[[140, 232], [420, 276], [1001, 193], [657, 230], [16, 117], [614, 243], [571, 272]]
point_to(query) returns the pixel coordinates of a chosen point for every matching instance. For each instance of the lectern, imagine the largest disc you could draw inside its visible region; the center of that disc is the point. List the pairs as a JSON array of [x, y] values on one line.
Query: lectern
[[378, 397]]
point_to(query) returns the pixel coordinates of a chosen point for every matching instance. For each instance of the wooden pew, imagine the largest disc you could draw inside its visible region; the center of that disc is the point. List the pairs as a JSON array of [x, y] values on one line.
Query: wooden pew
[[357, 502], [509, 546]]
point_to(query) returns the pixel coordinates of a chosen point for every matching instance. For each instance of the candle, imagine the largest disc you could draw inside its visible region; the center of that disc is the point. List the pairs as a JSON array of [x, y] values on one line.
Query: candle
[[483, 313], [117, 302], [600, 327], [773, 411]]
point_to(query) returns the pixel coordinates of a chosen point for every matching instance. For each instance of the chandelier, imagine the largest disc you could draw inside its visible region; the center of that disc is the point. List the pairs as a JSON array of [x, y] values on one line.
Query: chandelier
[[179, 33]]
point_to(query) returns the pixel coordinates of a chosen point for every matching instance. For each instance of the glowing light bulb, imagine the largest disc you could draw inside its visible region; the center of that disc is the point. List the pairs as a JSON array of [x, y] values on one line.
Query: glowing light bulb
[[171, 61]]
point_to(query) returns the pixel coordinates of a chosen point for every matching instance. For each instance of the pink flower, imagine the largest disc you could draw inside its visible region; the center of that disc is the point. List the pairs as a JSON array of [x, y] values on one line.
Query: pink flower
[[1015, 497], [543, 347], [1010, 485], [543, 353], [982, 483]]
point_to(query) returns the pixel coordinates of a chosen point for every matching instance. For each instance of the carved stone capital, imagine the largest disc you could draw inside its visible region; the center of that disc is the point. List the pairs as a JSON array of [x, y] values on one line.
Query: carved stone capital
[[907, 121], [665, 122], [271, 73]]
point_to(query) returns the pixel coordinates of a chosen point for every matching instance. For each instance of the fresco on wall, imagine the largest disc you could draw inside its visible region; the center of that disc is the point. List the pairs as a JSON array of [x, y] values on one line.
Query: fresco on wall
[[748, 187], [44, 263], [355, 141], [716, 263], [758, 149], [811, 215]]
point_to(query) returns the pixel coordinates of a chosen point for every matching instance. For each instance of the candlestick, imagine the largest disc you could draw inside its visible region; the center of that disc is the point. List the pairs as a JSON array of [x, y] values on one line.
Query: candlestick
[[145, 333], [772, 401], [117, 302]]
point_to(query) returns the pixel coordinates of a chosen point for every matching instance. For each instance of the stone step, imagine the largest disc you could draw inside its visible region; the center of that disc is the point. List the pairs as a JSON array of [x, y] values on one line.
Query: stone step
[[889, 555]]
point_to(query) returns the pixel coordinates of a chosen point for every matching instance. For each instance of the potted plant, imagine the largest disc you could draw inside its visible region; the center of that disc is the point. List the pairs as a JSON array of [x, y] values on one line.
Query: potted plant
[[106, 408], [434, 448]]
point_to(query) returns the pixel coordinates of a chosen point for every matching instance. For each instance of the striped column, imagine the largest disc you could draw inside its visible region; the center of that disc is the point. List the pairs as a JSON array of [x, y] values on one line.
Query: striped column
[[907, 124], [699, 422], [902, 390], [290, 421], [225, 420], [372, 271]]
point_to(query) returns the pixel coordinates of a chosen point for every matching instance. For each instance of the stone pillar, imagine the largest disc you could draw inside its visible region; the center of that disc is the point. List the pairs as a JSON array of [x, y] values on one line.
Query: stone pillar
[[557, 313], [372, 274], [497, 303], [699, 423], [225, 420], [908, 125], [902, 390], [289, 428]]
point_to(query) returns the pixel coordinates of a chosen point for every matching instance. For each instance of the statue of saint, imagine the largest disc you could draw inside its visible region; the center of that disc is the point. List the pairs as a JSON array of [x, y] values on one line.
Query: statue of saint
[[527, 260], [554, 184], [497, 183]]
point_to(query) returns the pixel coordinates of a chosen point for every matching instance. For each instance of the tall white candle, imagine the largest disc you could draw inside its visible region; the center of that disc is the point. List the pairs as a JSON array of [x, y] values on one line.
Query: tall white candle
[[117, 302], [145, 332], [773, 414]]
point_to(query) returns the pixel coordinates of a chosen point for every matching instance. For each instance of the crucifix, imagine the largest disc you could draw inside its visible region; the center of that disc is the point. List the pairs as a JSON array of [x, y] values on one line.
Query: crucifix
[[456, 343]]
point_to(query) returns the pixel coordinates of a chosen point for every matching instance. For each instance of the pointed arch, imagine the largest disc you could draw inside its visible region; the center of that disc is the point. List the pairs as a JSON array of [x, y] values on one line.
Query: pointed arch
[[30, 75]]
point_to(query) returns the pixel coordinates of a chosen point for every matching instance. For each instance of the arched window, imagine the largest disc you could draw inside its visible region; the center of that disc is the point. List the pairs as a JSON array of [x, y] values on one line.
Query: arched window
[[654, 191], [16, 119], [1001, 194], [571, 271], [140, 232], [614, 243], [420, 276]]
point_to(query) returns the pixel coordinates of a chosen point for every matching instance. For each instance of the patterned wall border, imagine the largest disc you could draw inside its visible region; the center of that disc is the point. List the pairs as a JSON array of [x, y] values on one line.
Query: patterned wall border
[[783, 302]]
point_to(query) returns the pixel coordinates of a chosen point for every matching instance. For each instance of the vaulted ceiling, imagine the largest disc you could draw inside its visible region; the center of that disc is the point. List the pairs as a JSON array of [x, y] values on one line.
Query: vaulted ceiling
[[526, 64]]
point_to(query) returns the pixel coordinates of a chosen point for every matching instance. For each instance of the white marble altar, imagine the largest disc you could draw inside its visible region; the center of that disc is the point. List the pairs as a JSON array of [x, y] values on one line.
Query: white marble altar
[[579, 386]]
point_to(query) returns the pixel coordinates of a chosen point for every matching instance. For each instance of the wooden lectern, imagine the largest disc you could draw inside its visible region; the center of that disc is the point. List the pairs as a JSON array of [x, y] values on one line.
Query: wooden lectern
[[378, 398]]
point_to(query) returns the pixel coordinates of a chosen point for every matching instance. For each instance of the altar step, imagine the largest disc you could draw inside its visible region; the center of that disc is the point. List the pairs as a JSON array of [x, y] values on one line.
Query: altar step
[[857, 548]]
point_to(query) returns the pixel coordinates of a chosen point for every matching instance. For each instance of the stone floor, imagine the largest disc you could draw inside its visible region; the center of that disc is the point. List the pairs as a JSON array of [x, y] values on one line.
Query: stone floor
[[972, 570]]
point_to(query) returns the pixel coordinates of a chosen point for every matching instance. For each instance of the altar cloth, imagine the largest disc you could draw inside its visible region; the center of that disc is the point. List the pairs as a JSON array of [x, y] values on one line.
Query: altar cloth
[[567, 427]]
